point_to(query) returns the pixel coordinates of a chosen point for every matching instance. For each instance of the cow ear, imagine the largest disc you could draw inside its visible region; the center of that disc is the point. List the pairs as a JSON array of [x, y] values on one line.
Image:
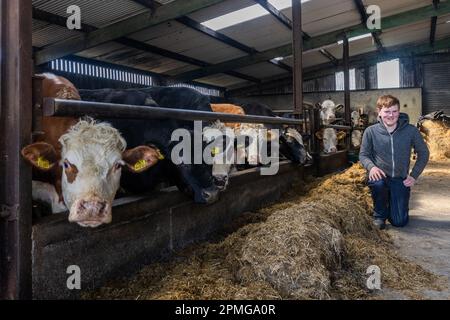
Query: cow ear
[[40, 155], [341, 135], [339, 107], [319, 135], [141, 158]]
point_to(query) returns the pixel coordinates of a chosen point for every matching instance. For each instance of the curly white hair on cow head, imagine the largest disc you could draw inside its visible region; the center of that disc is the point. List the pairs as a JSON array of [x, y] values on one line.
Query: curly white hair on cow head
[[92, 160]]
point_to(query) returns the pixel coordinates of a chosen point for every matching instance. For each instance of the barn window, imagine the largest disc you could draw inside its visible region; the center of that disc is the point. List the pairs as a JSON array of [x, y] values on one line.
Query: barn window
[[245, 14], [388, 74], [340, 80], [100, 72]]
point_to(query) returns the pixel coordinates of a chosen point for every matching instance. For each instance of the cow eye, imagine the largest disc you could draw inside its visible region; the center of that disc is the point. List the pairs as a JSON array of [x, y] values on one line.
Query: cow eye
[[117, 166], [66, 164]]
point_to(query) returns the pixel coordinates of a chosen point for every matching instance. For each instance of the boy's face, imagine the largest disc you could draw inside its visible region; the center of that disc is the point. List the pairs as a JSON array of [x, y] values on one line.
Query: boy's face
[[390, 115]]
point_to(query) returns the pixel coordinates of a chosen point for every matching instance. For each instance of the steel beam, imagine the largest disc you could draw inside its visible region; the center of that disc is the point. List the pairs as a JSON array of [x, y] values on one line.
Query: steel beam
[[364, 16], [297, 48], [433, 24], [74, 108]]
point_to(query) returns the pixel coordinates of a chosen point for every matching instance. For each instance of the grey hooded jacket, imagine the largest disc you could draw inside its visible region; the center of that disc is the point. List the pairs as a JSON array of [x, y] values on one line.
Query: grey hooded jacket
[[391, 152]]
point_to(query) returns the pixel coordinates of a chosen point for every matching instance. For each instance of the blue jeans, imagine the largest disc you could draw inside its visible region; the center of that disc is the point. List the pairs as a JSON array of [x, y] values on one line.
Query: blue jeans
[[390, 200]]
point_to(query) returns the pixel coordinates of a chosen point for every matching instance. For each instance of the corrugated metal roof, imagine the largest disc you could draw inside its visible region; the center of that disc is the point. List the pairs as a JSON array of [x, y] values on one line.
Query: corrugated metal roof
[[265, 32], [262, 70], [98, 13], [175, 37], [45, 33], [222, 80]]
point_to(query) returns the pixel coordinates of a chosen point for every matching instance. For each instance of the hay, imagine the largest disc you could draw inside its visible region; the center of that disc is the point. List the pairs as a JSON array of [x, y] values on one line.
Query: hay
[[316, 244], [437, 136]]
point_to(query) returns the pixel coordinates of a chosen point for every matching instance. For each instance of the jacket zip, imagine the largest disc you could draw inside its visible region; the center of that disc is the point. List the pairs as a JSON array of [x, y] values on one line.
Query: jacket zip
[[392, 151]]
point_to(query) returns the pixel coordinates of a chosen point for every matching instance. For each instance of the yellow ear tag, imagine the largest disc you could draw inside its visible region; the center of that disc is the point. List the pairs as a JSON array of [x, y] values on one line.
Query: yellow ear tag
[[160, 155], [43, 163], [215, 151], [141, 164]]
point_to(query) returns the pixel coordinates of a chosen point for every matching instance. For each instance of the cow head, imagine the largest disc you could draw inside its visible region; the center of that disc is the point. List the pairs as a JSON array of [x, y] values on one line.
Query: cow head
[[292, 140], [356, 138], [91, 160], [330, 139], [328, 111]]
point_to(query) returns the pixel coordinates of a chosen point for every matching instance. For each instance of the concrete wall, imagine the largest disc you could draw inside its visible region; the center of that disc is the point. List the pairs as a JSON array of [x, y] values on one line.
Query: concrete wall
[[410, 99], [144, 228]]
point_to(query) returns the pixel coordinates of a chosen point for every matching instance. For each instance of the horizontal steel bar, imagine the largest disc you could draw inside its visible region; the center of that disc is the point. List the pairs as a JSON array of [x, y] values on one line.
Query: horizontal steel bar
[[335, 126], [75, 108]]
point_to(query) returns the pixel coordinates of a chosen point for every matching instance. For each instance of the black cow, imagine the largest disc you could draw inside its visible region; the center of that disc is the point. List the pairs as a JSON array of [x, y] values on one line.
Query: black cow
[[194, 179]]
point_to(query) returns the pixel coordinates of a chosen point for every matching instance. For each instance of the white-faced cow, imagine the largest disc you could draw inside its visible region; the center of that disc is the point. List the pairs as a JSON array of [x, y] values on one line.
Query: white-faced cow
[[357, 122], [330, 139], [328, 111], [329, 136]]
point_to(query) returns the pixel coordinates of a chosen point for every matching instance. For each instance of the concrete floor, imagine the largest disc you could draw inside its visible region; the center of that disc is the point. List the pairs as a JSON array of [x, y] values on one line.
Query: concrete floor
[[426, 239]]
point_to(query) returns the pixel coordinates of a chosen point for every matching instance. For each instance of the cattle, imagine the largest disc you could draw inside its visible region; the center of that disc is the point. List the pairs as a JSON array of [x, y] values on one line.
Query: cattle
[[82, 167], [357, 122], [290, 140], [328, 111], [329, 136], [77, 164], [46, 184], [330, 139], [356, 138], [194, 179]]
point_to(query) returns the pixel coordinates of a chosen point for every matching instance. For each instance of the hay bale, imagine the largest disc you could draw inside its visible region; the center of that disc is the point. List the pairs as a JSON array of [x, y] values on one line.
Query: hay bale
[[437, 136], [292, 252]]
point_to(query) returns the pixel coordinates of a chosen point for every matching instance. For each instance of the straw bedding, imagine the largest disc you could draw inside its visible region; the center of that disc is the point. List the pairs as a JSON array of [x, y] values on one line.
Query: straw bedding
[[316, 244], [437, 136]]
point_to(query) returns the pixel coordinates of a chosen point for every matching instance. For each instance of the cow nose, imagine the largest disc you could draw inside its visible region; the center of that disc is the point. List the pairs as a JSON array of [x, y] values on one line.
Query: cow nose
[[221, 182], [209, 195], [333, 149], [92, 208]]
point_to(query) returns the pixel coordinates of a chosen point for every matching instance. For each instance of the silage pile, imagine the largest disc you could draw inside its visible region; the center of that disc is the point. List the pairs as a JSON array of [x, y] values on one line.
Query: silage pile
[[437, 136], [314, 246]]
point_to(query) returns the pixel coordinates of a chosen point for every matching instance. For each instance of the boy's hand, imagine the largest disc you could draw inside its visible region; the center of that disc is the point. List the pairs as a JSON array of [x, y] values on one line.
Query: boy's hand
[[409, 181], [376, 174]]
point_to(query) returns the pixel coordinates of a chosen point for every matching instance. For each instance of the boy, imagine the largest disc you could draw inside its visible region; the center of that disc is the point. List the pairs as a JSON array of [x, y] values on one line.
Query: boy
[[385, 153]]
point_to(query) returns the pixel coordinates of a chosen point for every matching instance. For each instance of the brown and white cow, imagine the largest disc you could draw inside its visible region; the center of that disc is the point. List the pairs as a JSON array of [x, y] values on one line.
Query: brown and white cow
[[357, 121], [329, 136], [330, 139], [77, 164]]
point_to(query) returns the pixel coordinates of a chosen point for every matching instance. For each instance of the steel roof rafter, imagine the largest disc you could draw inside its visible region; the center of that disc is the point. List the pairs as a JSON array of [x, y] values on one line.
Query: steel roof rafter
[[142, 46], [288, 24], [433, 24], [364, 17], [191, 23], [317, 42], [122, 28]]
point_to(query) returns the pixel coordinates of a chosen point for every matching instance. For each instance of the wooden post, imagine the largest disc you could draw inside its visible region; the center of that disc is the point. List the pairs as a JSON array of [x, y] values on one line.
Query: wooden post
[[15, 132]]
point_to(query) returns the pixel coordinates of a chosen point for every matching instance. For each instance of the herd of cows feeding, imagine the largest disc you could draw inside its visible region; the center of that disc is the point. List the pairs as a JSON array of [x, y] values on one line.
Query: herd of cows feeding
[[80, 164], [77, 163]]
